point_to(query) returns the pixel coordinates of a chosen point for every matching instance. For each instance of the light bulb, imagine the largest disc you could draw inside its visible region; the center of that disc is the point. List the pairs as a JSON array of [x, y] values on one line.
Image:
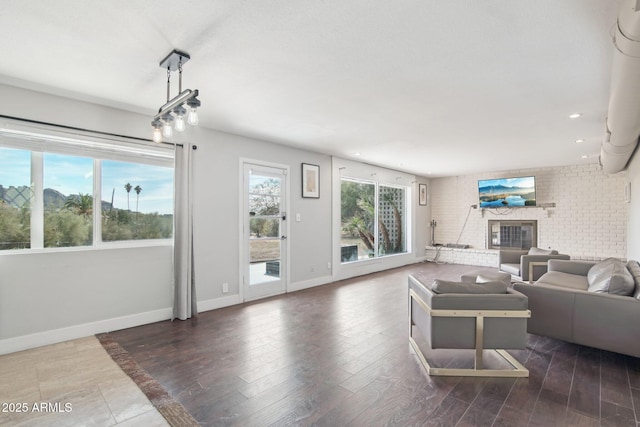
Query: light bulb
[[193, 103], [192, 119], [180, 123], [157, 130], [157, 135], [180, 111], [167, 130]]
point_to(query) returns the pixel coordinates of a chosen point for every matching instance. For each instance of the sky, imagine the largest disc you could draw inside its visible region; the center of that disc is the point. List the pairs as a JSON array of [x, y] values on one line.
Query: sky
[[527, 182], [73, 175]]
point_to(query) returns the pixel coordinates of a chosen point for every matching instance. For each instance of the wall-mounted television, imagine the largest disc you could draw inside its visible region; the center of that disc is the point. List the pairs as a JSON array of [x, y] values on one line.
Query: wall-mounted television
[[507, 192]]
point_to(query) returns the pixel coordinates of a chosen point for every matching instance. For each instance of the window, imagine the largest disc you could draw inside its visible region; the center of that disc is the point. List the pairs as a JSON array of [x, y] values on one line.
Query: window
[[15, 199], [357, 201], [68, 200], [391, 220], [49, 186], [137, 201], [373, 220]]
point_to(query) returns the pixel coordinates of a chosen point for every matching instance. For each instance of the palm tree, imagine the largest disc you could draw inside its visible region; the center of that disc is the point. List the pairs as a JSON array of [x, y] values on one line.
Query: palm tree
[[128, 187], [138, 189], [82, 204], [357, 224], [386, 240]]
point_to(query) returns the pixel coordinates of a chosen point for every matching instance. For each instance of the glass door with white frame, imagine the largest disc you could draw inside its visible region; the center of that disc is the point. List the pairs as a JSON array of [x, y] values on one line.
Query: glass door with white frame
[[264, 231]]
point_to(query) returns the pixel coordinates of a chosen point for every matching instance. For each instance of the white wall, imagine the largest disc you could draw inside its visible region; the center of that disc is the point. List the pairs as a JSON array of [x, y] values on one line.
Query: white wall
[[56, 296], [633, 229], [589, 220]]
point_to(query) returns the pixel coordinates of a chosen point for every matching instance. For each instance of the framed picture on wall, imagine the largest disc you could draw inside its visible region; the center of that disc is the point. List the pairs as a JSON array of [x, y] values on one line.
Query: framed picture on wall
[[310, 181], [422, 194]]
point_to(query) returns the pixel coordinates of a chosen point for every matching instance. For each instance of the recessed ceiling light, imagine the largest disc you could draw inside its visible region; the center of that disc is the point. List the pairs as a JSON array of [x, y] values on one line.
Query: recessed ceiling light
[[584, 156], [579, 141], [575, 115], [357, 153]]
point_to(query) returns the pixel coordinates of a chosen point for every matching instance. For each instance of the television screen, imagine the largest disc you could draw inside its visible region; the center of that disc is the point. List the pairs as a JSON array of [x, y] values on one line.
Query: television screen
[[507, 192]]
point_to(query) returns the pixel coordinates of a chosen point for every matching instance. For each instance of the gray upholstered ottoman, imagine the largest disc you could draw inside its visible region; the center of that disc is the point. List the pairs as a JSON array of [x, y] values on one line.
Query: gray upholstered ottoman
[[486, 276]]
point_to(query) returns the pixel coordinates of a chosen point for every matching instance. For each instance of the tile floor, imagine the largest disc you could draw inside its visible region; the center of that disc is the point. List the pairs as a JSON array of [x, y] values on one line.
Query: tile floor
[[71, 383]]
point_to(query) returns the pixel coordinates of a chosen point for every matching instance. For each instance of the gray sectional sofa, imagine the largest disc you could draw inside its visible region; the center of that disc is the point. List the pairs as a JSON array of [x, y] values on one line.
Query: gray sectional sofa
[[596, 304]]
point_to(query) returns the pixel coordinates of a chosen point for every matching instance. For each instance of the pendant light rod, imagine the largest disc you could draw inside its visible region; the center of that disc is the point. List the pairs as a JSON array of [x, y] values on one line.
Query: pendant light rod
[[177, 100], [169, 85]]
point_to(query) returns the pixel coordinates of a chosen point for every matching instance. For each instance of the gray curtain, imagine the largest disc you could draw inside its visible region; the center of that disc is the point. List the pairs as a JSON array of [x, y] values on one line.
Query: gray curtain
[[184, 299]]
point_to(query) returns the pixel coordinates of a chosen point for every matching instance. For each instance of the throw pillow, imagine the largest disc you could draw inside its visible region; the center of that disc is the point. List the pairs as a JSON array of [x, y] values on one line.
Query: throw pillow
[[634, 268], [538, 251], [612, 276], [481, 279], [448, 287]]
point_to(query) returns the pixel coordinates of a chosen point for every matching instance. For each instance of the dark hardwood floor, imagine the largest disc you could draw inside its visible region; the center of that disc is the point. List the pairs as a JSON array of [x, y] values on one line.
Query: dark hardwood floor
[[339, 355]]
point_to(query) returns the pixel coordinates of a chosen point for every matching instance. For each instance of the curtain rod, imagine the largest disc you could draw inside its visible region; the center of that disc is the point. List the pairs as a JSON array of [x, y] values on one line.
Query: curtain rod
[[84, 130]]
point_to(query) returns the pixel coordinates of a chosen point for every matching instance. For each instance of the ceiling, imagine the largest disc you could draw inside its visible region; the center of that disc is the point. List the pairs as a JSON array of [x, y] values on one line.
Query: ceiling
[[436, 88]]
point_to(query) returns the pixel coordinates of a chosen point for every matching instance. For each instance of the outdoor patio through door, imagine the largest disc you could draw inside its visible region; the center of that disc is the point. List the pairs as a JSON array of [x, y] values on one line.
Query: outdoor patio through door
[[264, 231]]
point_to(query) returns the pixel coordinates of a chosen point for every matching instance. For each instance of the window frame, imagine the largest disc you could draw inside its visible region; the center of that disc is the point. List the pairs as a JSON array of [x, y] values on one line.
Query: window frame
[[42, 139], [376, 229]]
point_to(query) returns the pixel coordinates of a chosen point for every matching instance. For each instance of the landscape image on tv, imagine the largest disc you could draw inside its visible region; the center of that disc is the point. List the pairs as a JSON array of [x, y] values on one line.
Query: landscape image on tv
[[507, 192]]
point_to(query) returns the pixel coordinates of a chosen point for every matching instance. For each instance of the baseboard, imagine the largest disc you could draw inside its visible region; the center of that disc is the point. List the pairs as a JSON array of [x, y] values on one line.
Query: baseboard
[[306, 284], [25, 342], [212, 304], [374, 265]]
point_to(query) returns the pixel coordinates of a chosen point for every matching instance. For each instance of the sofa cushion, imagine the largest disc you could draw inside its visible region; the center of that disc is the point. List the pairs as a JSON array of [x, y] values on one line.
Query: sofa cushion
[[483, 279], [610, 276], [539, 251], [447, 287], [565, 280], [493, 276], [511, 268], [634, 268]]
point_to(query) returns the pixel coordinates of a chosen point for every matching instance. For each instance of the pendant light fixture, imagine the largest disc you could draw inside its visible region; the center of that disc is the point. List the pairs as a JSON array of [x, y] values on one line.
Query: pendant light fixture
[[173, 113]]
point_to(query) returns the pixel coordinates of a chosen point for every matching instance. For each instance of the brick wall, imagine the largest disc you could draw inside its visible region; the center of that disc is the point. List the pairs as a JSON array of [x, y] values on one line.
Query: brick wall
[[589, 220], [471, 256]]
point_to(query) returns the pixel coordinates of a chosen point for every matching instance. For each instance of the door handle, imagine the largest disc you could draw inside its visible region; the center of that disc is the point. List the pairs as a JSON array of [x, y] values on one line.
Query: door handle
[[283, 237]]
